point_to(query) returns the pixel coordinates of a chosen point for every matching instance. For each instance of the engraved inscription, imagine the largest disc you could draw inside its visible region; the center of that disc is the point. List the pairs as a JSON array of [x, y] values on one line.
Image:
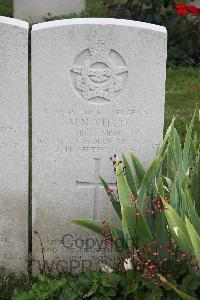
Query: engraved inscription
[[99, 73], [96, 185], [92, 131]]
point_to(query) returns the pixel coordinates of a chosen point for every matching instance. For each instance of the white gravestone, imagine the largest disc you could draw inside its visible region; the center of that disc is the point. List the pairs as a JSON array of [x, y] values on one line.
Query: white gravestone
[[193, 2], [13, 144], [38, 10], [98, 90]]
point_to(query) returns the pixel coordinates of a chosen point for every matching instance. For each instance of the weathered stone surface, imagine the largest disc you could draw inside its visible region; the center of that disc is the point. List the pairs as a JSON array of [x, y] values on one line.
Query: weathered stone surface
[[13, 144], [98, 89], [38, 10], [194, 2]]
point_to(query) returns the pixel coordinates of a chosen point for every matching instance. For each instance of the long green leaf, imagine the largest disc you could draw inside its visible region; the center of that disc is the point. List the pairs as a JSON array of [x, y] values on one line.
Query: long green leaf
[[129, 176], [173, 218], [178, 229], [174, 197], [195, 180], [161, 232], [139, 170], [115, 203], [147, 180], [92, 225], [177, 150], [187, 144], [128, 212], [174, 154], [97, 227], [185, 180], [183, 203], [131, 214], [166, 138], [195, 219], [160, 223], [160, 187], [153, 187], [169, 183], [127, 236], [194, 238], [172, 286], [171, 164]]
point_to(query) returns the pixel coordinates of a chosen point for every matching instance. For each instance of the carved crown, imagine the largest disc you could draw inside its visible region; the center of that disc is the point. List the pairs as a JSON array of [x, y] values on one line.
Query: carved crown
[[100, 49]]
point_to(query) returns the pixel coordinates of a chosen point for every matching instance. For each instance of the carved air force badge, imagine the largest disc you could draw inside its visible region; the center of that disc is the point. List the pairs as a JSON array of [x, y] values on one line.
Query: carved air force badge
[[99, 73]]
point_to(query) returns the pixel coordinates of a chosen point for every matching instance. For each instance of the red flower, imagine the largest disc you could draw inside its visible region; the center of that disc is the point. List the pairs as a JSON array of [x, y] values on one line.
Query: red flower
[[157, 282], [149, 247], [180, 6], [181, 9], [152, 266], [182, 254], [159, 204], [105, 226], [105, 233], [192, 9], [132, 198]]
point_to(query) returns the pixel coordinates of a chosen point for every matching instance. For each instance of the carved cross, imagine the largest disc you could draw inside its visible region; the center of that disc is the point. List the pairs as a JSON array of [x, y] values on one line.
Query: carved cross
[[96, 185]]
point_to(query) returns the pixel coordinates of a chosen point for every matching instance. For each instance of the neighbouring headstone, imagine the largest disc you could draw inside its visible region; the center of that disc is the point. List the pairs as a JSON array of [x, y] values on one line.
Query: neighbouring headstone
[[13, 144], [39, 10], [193, 2], [98, 90]]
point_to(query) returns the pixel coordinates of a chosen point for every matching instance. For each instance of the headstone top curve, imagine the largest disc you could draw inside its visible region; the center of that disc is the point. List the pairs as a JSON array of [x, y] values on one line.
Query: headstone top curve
[[98, 21], [14, 22]]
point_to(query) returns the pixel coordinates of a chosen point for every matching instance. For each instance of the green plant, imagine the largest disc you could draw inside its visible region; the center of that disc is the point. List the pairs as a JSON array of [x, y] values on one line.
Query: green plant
[[43, 288], [133, 207], [185, 234], [143, 204], [140, 194], [9, 282], [104, 285], [183, 166]]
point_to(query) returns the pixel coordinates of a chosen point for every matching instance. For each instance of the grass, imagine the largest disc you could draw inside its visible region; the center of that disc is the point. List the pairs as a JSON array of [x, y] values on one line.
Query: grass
[[6, 8], [182, 96]]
